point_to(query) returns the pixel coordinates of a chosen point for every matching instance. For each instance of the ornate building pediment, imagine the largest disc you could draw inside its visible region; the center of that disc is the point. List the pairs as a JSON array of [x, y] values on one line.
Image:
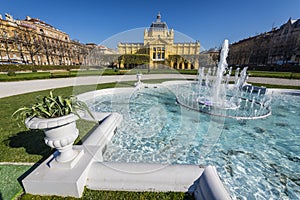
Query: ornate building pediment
[[158, 41]]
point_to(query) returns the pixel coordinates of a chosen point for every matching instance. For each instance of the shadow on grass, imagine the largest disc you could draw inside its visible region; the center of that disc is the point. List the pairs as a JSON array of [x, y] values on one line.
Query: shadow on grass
[[32, 141], [188, 196]]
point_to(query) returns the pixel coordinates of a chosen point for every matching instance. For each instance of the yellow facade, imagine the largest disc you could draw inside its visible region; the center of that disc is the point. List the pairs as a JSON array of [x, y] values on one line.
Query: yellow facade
[[32, 41], [159, 45]]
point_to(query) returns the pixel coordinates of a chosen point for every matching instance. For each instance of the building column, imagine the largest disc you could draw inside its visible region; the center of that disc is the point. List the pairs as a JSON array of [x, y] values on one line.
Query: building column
[[171, 64], [182, 65], [196, 65]]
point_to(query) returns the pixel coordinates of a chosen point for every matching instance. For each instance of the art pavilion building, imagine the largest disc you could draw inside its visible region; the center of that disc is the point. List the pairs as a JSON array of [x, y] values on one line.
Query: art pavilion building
[[159, 45]]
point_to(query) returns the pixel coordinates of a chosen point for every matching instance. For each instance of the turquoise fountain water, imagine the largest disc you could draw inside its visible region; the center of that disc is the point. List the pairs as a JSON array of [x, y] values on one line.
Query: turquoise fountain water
[[256, 159]]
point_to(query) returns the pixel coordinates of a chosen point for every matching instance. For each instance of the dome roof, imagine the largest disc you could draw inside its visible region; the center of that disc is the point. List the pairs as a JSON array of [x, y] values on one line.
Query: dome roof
[[158, 24]]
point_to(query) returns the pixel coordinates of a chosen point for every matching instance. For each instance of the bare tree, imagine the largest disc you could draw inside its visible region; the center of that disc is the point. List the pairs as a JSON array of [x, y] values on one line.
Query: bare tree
[[18, 43], [46, 46], [6, 41], [31, 44]]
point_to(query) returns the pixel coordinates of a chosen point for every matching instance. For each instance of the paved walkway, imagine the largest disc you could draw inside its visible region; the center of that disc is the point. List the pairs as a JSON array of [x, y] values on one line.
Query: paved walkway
[[20, 87]]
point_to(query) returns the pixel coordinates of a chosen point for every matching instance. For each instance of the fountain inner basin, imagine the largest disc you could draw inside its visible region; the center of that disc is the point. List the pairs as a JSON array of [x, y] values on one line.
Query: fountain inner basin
[[212, 93]]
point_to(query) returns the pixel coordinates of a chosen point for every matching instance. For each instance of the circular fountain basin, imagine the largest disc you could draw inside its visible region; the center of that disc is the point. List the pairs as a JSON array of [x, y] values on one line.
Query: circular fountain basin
[[237, 104], [256, 159]]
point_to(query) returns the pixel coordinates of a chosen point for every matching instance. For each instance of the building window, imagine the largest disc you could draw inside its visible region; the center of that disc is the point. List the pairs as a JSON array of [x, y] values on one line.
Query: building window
[[158, 53]]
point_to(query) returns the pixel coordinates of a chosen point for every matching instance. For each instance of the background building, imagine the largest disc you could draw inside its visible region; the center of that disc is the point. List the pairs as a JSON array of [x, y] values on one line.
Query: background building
[[101, 56], [277, 47], [160, 47], [32, 41]]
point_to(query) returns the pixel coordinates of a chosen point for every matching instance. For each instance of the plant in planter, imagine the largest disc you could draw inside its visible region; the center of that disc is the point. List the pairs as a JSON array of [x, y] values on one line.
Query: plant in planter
[[57, 116]]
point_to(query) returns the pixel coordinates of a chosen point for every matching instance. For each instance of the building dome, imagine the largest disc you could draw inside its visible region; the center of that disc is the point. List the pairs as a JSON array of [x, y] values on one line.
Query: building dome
[[158, 24]]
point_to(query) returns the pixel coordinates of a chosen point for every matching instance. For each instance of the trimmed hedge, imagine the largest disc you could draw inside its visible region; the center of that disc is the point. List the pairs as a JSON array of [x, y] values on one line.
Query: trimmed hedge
[[135, 59], [274, 68], [34, 68]]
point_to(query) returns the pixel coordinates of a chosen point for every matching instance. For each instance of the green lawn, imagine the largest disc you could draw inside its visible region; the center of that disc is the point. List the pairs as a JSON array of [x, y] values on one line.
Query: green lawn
[[25, 76], [9, 185], [286, 75], [276, 86], [118, 195]]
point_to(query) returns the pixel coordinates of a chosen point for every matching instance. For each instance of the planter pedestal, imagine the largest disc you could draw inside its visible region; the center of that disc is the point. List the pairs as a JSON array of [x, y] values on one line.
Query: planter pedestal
[[60, 134], [53, 163]]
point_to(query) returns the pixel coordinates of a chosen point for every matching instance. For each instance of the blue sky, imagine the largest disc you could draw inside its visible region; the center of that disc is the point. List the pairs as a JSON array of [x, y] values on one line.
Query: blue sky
[[210, 22]]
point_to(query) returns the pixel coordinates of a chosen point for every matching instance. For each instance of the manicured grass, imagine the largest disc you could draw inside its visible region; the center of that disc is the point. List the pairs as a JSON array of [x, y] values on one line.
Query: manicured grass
[[118, 195], [25, 76], [9, 185], [267, 74], [277, 86]]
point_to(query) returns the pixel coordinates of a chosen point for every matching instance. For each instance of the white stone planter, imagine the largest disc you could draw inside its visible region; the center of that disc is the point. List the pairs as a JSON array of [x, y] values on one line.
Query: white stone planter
[[60, 134]]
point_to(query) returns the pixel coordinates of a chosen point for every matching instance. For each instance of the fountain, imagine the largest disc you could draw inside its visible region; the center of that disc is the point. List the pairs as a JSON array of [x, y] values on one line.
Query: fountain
[[213, 94], [139, 83]]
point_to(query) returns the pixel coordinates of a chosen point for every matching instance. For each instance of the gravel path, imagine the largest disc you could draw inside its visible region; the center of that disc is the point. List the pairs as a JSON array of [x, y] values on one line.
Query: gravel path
[[21, 87]]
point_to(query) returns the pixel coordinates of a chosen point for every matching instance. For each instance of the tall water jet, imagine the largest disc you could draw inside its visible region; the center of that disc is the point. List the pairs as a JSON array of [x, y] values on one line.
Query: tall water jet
[[218, 87], [213, 94]]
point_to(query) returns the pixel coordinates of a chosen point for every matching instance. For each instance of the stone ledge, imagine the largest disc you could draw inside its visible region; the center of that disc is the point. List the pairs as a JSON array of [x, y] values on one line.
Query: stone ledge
[[60, 181], [142, 177]]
